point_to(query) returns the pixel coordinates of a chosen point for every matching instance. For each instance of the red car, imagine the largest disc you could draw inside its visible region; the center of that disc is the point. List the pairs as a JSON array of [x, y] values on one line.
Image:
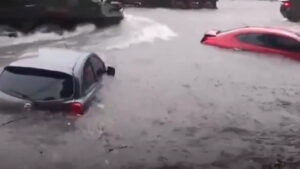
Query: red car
[[257, 39]]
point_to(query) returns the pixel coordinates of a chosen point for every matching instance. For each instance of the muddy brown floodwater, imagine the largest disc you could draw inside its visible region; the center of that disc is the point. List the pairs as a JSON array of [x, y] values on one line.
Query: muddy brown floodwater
[[174, 103]]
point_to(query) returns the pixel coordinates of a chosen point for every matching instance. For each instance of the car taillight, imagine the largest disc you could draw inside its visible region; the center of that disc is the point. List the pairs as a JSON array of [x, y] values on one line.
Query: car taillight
[[287, 4], [77, 108]]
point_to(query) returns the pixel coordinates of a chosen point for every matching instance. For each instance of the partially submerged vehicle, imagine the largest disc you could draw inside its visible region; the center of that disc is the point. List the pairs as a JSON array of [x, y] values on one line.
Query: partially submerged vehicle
[[290, 9], [25, 15], [187, 4], [52, 79], [257, 39]]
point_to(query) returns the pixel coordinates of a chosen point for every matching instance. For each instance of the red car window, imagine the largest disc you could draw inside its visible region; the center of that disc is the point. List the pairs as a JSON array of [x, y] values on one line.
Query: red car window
[[285, 43], [271, 41], [253, 38]]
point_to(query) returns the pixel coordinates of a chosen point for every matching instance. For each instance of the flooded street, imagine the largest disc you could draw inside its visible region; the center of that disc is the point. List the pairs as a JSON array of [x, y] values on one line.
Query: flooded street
[[174, 103]]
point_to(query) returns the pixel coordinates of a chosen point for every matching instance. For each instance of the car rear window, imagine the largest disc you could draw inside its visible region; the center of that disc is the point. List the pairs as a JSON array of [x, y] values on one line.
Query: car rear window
[[36, 84]]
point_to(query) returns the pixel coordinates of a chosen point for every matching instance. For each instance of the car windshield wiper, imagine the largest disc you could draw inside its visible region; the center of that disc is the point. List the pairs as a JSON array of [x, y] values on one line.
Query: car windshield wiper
[[18, 94]]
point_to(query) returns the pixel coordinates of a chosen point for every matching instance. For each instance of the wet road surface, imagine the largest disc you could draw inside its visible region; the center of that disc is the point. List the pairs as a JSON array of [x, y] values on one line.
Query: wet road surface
[[174, 104]]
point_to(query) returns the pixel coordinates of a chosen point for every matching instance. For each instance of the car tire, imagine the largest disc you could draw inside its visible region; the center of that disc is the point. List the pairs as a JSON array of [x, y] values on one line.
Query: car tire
[[292, 17], [283, 11]]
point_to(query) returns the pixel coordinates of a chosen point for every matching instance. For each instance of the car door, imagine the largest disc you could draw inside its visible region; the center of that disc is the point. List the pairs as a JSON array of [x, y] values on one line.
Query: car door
[[89, 82]]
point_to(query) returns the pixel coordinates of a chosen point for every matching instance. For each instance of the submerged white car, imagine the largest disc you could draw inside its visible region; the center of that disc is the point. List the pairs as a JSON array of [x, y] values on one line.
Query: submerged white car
[[52, 79]]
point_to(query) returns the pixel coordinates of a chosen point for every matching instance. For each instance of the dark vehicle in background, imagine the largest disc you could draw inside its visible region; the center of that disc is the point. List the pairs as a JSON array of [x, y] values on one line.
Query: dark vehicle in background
[[53, 79], [257, 39], [25, 15], [187, 4], [290, 9]]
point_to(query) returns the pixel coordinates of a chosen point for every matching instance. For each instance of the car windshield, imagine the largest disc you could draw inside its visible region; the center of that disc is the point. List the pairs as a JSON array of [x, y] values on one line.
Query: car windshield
[[36, 84]]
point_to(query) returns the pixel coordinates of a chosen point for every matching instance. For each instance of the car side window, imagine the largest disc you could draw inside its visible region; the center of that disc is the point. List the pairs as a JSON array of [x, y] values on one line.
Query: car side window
[[253, 38], [283, 43], [98, 66], [271, 41], [88, 76]]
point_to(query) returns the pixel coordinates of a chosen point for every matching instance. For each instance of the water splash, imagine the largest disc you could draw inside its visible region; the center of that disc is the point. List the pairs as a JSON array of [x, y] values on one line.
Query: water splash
[[54, 36], [49, 36], [145, 30]]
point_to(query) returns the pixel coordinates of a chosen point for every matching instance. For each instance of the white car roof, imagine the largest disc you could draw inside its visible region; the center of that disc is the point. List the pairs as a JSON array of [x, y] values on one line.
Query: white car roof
[[54, 59]]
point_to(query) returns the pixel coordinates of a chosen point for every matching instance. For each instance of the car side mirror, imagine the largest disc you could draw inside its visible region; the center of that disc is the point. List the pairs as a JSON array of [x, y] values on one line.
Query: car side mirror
[[111, 71]]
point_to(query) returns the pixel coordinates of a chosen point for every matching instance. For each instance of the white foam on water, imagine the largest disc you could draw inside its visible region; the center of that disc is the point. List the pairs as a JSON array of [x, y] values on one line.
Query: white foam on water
[[6, 56], [39, 36], [5, 41], [144, 30], [35, 37], [133, 30]]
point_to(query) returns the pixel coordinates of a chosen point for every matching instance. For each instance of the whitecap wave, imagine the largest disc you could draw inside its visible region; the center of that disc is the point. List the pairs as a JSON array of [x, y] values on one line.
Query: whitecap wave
[[53, 36], [141, 29], [40, 36]]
